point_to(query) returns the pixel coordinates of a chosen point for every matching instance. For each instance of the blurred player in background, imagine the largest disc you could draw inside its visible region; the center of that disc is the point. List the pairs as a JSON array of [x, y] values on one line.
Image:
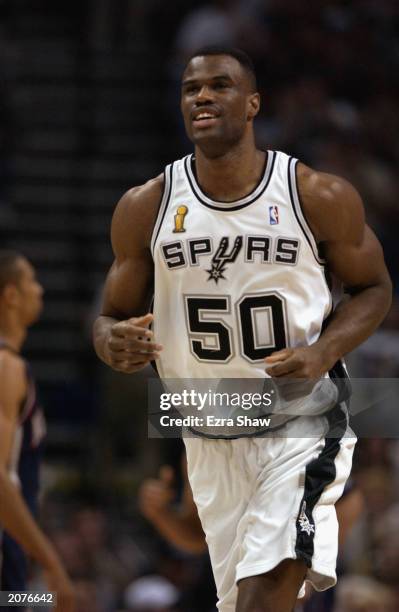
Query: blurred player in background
[[22, 428], [178, 524], [234, 244]]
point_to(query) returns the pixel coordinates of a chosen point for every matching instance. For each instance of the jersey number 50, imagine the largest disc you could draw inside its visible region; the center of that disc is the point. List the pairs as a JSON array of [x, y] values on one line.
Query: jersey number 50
[[260, 323]]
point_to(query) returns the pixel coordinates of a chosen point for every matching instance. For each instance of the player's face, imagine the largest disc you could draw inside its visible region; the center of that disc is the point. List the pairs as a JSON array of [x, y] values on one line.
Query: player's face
[[217, 103], [30, 293]]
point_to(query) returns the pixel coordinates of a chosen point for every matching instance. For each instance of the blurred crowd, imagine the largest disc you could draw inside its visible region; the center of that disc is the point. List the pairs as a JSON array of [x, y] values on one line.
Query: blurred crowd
[[328, 73]]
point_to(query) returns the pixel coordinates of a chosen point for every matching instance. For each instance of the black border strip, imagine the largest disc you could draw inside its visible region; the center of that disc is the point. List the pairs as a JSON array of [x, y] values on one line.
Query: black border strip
[[240, 206], [320, 472], [303, 228], [165, 207], [164, 187]]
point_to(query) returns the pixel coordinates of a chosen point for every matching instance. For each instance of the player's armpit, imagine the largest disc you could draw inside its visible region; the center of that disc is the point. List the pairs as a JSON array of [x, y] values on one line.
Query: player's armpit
[[12, 393]]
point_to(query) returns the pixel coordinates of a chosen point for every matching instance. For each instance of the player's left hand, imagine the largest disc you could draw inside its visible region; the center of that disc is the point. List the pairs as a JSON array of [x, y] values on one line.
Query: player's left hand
[[306, 363], [296, 370]]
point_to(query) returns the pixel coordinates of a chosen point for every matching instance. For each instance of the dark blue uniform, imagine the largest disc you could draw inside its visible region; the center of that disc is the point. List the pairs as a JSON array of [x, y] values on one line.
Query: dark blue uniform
[[24, 463]]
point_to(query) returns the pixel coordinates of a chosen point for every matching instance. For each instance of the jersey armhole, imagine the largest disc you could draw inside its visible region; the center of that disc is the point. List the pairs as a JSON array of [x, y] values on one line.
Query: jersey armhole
[[298, 210], [167, 189], [30, 397]]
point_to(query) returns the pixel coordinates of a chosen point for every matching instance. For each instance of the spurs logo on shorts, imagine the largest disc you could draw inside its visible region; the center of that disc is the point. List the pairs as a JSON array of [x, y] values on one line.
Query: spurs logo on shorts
[[304, 522]]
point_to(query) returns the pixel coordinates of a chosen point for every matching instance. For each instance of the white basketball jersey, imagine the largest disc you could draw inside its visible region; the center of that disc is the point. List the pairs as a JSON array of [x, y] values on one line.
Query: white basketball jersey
[[234, 281]]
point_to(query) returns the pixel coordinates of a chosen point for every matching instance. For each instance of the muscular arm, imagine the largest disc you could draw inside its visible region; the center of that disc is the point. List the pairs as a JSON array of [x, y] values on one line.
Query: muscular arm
[[121, 337], [354, 255], [12, 392], [15, 517], [335, 214]]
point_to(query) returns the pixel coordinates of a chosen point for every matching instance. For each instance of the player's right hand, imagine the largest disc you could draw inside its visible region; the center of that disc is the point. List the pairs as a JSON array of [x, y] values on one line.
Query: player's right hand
[[131, 345], [156, 494], [58, 582]]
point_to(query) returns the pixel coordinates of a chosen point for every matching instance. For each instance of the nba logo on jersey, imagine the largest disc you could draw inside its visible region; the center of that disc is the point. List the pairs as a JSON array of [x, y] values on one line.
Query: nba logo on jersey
[[273, 215]]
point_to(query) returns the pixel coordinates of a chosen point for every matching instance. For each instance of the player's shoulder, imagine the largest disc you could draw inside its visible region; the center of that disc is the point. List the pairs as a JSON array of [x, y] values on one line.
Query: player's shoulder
[[135, 214], [141, 196], [329, 202], [325, 187], [150, 190]]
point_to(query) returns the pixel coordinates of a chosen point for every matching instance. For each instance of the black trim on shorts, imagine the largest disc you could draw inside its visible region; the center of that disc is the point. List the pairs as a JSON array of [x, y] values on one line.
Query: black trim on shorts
[[320, 472]]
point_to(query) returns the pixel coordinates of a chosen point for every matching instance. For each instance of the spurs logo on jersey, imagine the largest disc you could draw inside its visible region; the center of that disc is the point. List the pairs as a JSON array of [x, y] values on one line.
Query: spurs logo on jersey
[[222, 258], [263, 248], [243, 280]]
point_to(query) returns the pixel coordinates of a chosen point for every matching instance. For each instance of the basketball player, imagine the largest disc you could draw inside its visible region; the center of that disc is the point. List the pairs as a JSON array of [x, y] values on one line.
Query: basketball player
[[233, 243], [21, 431]]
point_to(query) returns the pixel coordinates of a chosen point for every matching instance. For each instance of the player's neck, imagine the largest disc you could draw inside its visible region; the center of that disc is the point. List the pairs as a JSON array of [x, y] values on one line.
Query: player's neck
[[11, 332], [231, 176]]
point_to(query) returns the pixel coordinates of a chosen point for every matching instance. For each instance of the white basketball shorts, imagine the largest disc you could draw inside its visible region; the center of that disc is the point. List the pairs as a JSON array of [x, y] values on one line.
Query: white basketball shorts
[[263, 500]]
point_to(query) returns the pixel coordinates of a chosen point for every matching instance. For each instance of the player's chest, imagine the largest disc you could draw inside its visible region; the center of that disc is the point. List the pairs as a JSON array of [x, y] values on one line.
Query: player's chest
[[213, 244]]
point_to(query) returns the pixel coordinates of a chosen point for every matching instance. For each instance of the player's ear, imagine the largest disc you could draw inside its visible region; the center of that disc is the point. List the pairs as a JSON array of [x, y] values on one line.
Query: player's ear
[[10, 294], [253, 106]]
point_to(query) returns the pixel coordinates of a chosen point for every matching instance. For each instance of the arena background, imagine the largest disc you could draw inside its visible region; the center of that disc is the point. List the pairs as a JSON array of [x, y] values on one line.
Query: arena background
[[89, 107]]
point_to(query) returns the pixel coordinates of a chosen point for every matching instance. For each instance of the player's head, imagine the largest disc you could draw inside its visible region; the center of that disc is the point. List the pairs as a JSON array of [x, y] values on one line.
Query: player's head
[[20, 291], [219, 99]]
